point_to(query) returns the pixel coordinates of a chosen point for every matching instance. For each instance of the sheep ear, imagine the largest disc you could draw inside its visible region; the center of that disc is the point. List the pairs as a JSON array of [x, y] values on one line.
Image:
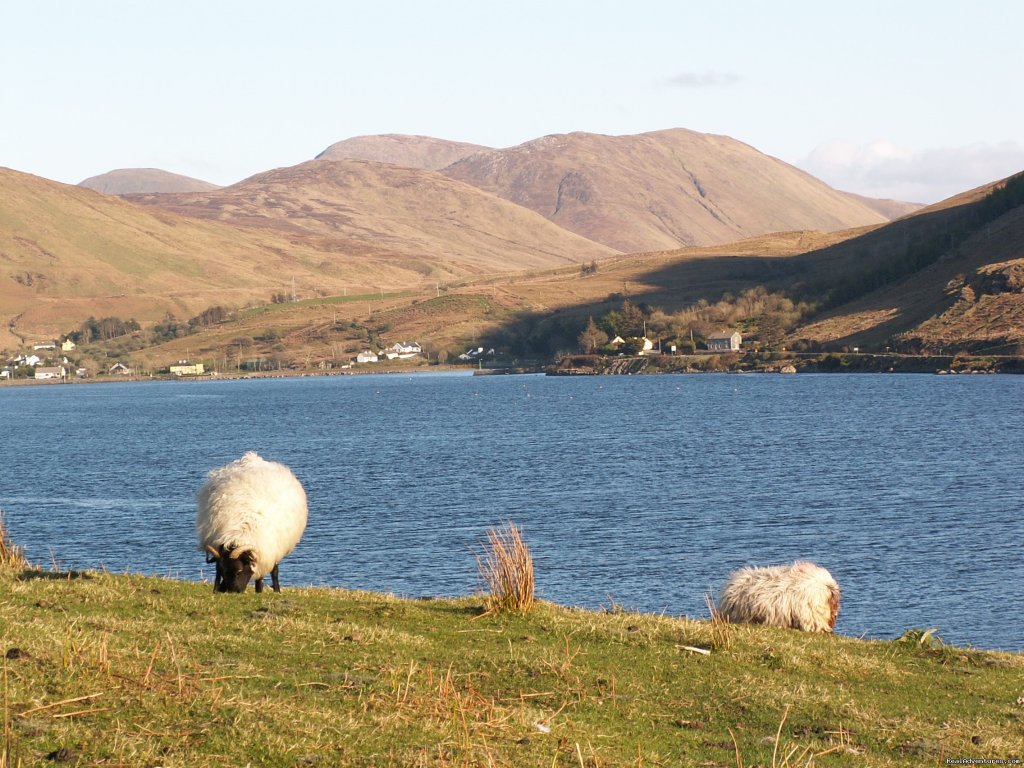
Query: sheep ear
[[213, 553], [241, 551]]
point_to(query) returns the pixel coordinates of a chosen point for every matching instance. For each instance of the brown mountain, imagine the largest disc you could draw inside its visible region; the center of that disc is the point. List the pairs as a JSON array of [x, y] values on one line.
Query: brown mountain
[[126, 181], [363, 206], [400, 149], [661, 190]]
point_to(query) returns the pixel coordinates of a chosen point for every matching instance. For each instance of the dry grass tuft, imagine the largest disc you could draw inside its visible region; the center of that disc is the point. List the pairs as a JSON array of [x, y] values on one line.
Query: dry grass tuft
[[721, 638], [11, 555], [507, 571]]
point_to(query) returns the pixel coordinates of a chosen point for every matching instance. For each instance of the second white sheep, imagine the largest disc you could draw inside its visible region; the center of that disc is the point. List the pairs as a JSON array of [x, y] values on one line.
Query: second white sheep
[[797, 596]]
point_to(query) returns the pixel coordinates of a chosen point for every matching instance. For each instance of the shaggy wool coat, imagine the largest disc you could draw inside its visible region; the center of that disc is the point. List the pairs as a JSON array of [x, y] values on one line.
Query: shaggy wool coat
[[797, 596], [254, 503]]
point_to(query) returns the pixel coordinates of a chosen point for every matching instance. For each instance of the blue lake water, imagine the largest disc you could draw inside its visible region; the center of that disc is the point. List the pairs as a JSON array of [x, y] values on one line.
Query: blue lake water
[[642, 490]]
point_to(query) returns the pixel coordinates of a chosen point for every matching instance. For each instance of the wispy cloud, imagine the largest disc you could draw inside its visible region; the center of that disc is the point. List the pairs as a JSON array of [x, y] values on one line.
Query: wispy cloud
[[882, 169], [706, 79]]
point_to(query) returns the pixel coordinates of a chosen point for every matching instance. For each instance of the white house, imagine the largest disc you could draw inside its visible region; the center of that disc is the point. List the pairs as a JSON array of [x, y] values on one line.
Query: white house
[[726, 341], [403, 350], [366, 356], [185, 368], [57, 372]]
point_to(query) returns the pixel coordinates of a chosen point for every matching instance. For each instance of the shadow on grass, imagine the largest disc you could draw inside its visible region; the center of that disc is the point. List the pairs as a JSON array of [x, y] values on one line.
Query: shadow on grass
[[33, 574]]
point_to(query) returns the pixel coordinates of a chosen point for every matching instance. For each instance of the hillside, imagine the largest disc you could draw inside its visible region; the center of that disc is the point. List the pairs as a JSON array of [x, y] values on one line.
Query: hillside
[[371, 207], [126, 181], [421, 152], [948, 278], [511, 311], [661, 190], [943, 279], [67, 253]]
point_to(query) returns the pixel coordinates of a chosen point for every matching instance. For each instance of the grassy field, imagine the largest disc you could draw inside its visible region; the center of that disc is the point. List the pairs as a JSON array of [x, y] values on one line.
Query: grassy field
[[123, 670]]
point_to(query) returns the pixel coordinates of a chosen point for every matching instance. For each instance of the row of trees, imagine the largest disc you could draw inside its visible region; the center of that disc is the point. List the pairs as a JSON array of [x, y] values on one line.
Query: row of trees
[[103, 330], [109, 328]]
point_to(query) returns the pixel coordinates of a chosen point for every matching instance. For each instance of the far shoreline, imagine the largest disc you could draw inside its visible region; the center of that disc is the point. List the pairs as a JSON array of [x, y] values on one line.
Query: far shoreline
[[589, 365]]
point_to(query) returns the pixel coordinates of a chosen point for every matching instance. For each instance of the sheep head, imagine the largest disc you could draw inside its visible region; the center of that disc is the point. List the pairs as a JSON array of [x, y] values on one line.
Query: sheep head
[[234, 567]]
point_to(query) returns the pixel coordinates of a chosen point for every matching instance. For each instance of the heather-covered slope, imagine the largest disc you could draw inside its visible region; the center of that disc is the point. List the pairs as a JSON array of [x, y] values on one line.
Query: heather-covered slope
[[661, 190]]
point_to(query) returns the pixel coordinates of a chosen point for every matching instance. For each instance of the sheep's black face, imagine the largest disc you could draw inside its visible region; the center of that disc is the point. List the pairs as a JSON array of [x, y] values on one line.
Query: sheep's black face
[[233, 571]]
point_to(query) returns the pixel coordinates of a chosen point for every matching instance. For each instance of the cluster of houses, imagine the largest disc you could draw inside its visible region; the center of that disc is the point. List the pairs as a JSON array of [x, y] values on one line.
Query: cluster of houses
[[404, 350], [400, 350], [726, 341], [48, 365]]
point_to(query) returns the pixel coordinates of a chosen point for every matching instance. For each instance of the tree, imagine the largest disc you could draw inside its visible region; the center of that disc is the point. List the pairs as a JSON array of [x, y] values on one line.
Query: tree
[[771, 331], [633, 318], [592, 337]]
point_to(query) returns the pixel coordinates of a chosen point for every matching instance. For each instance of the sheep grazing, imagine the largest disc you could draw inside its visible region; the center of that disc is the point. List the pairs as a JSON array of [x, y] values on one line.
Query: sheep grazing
[[798, 596], [251, 514]]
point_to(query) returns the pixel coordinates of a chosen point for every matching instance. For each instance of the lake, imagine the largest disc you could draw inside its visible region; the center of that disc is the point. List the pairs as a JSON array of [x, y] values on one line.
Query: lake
[[638, 491]]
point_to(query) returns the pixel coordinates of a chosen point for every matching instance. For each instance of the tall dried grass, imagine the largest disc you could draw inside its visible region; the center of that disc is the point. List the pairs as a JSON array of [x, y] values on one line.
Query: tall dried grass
[[507, 570], [11, 555], [721, 637]]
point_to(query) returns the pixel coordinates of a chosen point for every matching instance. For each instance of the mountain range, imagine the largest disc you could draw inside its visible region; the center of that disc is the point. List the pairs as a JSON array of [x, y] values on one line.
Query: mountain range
[[393, 213], [647, 192]]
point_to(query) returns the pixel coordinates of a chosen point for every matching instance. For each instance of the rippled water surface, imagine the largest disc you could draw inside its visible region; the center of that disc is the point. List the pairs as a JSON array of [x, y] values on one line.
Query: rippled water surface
[[646, 491]]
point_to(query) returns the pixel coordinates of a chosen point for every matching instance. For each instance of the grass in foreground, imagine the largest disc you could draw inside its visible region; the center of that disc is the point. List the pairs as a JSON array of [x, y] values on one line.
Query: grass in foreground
[[125, 670]]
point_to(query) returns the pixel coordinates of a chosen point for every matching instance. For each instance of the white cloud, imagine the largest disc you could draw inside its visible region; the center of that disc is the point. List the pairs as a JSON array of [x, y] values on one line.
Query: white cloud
[[706, 79], [882, 169]]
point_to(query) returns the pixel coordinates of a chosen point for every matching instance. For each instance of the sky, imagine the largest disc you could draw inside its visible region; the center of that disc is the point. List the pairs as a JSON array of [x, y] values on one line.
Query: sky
[[907, 99]]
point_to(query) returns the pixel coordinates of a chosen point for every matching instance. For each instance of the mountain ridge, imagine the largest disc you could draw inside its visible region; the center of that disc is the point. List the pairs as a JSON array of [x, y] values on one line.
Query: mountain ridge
[[413, 151]]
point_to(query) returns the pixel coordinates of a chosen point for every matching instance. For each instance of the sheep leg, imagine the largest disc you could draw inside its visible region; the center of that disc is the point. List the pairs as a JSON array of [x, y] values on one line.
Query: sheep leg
[[259, 585], [273, 579]]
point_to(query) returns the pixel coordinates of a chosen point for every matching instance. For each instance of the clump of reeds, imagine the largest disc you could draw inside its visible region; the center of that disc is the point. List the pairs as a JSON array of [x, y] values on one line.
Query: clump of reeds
[[507, 570], [11, 555]]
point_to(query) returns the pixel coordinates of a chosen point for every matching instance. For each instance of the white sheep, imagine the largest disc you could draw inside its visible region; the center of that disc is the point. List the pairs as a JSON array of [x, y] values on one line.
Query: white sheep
[[251, 514], [798, 596]]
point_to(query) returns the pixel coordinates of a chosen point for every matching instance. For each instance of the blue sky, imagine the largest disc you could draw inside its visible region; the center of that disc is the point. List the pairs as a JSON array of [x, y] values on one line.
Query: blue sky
[[913, 100]]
